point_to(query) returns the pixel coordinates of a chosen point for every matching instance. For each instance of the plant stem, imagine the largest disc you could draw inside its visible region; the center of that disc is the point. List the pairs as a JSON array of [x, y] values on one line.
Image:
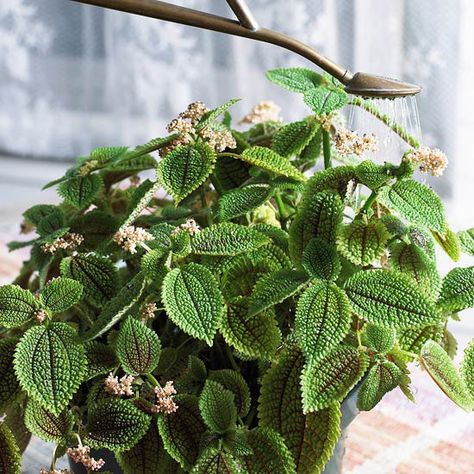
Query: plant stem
[[281, 206], [409, 354], [327, 149], [369, 202], [230, 356], [153, 380]]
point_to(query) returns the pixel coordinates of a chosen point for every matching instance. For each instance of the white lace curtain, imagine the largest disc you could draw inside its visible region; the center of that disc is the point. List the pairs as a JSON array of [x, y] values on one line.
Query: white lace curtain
[[74, 77]]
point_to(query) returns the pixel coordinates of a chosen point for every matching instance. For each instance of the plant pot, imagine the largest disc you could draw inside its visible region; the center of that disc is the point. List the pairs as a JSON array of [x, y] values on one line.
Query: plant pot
[[111, 464]]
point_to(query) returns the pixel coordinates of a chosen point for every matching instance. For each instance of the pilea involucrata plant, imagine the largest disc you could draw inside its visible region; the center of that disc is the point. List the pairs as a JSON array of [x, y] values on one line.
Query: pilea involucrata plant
[[213, 318]]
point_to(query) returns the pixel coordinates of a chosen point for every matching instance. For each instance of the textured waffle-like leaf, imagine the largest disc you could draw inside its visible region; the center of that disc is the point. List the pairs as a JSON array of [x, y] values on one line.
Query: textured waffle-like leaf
[[50, 364], [293, 137], [335, 179], [371, 174], [255, 336], [276, 287], [441, 369], [331, 378], [35, 214], [312, 151], [319, 216], [413, 261], [383, 377], [217, 407], [412, 339], [15, 420], [324, 100], [181, 431], [115, 424], [9, 385], [466, 241], [449, 242], [46, 425], [185, 168], [467, 367], [108, 153], [270, 454], [231, 173], [362, 242], [227, 239], [138, 347], [96, 227], [239, 201], [97, 274], [457, 292], [193, 300], [140, 199], [321, 260], [389, 298], [101, 359], [323, 318], [379, 338], [213, 461], [295, 79], [17, 306], [270, 161], [80, 191], [9, 452], [415, 202], [310, 438], [132, 164], [153, 265], [61, 293], [233, 381], [211, 116], [278, 236], [52, 225]]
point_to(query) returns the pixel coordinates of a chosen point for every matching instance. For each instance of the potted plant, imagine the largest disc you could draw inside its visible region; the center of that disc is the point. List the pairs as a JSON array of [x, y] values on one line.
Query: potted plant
[[219, 327]]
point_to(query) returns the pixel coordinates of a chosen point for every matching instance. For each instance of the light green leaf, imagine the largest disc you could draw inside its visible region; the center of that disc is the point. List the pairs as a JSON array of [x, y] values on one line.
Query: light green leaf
[[390, 299], [449, 242], [335, 179], [115, 424], [234, 381], [324, 100], [105, 154], [467, 367], [61, 293], [415, 202], [138, 347], [321, 260], [139, 201], [363, 242], [440, 367], [270, 161], [239, 201], [10, 457], [50, 364], [214, 114], [276, 287], [457, 292], [132, 164], [323, 318], [227, 239], [379, 338], [254, 336], [296, 79], [193, 300], [185, 168], [9, 385], [466, 240], [101, 359], [217, 407], [17, 306], [310, 438], [371, 174], [412, 339], [292, 138], [383, 377], [213, 461], [80, 191], [332, 377]]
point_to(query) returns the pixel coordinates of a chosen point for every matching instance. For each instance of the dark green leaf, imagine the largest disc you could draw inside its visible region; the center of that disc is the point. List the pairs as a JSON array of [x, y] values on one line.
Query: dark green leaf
[[9, 385], [239, 201], [234, 381], [217, 407], [321, 260], [61, 293], [17, 306], [80, 191], [292, 138], [10, 458]]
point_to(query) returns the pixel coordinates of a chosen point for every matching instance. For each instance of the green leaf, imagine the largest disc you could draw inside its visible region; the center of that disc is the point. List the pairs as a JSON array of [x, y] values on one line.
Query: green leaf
[[185, 168], [227, 239], [423, 238], [323, 318], [181, 431], [440, 367], [46, 425], [50, 364], [466, 240], [277, 235], [276, 287], [310, 438], [217, 407], [269, 455], [332, 377], [292, 138], [14, 420], [115, 424], [105, 154], [372, 175], [390, 299], [139, 201], [449, 242], [138, 347], [52, 225], [254, 336], [457, 292], [379, 338], [239, 201], [412, 339], [296, 79], [132, 163], [17, 306], [213, 461], [80, 191], [234, 381], [383, 377], [415, 202], [324, 100], [101, 359], [231, 173], [319, 216], [10, 458], [270, 161], [193, 300], [35, 214], [9, 385], [61, 293], [335, 179], [363, 242], [153, 265], [96, 227], [97, 274], [467, 367], [321, 260], [214, 114]]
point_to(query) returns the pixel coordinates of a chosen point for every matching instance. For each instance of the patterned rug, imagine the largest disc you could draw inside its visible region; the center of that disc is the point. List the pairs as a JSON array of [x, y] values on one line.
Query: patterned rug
[[397, 437]]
